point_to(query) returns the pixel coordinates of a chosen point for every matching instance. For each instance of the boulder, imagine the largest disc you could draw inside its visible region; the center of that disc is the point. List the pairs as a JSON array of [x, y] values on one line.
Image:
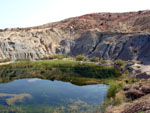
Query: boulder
[[134, 94], [143, 76], [127, 87], [145, 89]]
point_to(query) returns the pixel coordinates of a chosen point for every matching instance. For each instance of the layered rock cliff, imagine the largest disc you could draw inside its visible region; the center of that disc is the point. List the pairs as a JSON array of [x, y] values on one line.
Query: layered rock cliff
[[105, 35]]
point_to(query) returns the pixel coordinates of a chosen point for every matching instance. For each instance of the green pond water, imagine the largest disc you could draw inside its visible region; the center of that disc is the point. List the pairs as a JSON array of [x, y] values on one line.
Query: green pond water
[[34, 95]]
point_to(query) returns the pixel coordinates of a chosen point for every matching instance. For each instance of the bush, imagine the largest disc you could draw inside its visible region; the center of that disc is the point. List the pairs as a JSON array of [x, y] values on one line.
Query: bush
[[103, 61], [80, 58], [109, 15], [138, 66], [112, 91], [58, 56], [94, 59], [120, 62], [139, 12], [126, 72]]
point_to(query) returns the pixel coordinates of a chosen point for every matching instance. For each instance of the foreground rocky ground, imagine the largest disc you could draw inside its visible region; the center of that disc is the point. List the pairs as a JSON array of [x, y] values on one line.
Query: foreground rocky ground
[[141, 105], [137, 94]]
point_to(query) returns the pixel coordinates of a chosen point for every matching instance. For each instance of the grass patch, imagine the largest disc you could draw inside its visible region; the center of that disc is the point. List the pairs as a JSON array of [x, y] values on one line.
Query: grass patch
[[65, 70], [4, 60], [83, 69], [112, 90]]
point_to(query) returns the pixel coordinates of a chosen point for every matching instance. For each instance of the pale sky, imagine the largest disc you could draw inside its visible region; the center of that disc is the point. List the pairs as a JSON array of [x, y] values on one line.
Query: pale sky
[[25, 13]]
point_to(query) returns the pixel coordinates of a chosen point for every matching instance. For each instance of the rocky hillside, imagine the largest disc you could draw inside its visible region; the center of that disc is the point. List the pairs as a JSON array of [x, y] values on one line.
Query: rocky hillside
[[105, 35]]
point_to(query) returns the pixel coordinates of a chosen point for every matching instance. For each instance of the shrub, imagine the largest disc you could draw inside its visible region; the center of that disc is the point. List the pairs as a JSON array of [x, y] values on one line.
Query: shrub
[[94, 59], [112, 91], [109, 15], [80, 58], [103, 61], [138, 66], [58, 56], [126, 72], [139, 12], [120, 62]]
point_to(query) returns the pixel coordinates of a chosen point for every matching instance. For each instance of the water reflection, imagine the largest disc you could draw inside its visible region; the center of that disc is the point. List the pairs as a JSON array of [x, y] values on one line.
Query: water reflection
[[46, 96]]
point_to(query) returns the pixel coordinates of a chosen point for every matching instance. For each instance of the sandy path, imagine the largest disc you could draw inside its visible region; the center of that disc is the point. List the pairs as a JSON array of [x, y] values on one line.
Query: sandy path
[[142, 68]]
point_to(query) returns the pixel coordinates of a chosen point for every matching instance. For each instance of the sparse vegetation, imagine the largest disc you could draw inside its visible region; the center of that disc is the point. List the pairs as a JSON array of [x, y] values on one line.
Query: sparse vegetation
[[58, 56], [120, 62], [112, 90], [80, 58], [119, 99], [105, 104], [126, 73], [138, 66], [60, 70], [22, 59], [109, 15], [95, 59], [4, 60], [139, 12], [103, 61], [113, 96]]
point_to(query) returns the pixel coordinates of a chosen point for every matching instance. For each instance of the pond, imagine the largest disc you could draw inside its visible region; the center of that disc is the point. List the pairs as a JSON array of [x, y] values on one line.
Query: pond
[[33, 95]]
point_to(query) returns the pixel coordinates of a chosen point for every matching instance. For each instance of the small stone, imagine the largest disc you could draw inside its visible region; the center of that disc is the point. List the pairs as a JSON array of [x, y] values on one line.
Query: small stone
[[127, 87], [134, 94], [145, 89]]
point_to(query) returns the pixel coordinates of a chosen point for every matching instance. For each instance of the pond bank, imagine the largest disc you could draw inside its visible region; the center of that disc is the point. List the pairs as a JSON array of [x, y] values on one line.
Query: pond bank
[[65, 70]]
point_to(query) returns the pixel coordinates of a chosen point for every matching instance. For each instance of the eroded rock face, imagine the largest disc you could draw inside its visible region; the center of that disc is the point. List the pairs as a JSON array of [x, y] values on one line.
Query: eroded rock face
[[143, 76], [31, 45], [105, 35], [137, 90]]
